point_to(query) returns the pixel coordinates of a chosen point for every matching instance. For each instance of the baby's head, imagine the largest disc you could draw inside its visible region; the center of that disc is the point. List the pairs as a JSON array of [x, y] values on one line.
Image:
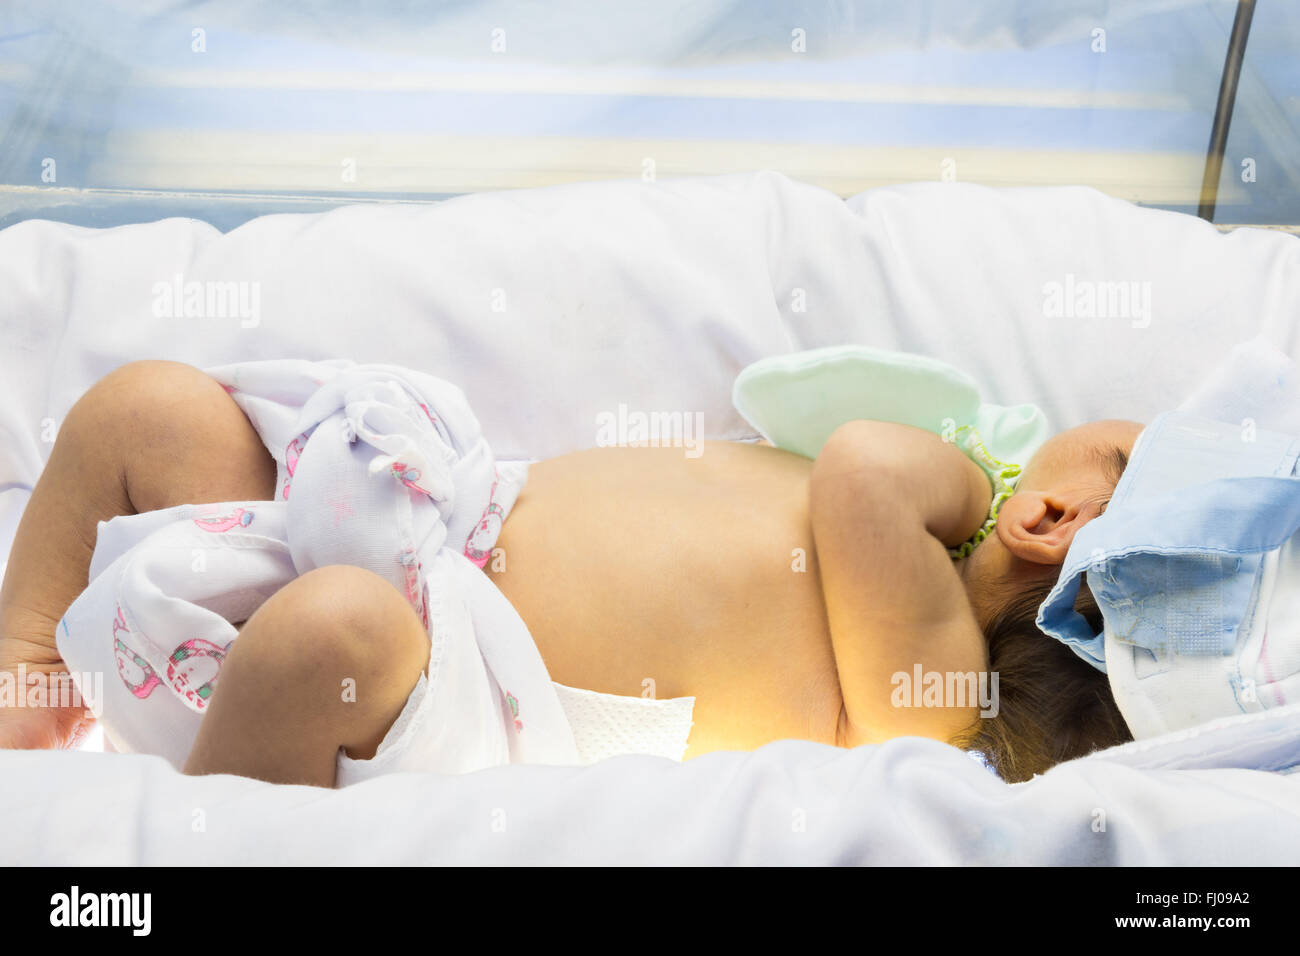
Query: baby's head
[[1052, 706]]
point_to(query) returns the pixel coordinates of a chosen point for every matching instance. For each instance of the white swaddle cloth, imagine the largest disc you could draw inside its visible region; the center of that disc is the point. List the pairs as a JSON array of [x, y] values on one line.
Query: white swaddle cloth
[[380, 467]]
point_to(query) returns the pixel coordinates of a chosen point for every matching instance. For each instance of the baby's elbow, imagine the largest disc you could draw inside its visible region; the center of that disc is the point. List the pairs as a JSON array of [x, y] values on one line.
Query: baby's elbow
[[856, 452]]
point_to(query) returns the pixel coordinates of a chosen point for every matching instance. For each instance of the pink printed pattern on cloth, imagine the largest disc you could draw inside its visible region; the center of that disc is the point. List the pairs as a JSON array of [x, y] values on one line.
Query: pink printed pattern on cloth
[[191, 668], [137, 673], [478, 546], [239, 518], [292, 452]]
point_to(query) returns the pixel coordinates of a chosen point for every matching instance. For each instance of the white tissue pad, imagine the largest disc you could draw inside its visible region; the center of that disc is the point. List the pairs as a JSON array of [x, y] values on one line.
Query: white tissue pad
[[606, 725]]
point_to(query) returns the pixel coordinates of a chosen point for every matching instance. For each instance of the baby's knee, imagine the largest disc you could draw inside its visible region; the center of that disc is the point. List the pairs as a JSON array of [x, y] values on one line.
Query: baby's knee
[[337, 652], [149, 382], [151, 399], [344, 620]]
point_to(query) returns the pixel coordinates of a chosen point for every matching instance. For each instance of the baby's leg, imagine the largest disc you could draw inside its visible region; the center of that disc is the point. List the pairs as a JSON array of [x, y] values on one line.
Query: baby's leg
[[149, 435], [327, 662]]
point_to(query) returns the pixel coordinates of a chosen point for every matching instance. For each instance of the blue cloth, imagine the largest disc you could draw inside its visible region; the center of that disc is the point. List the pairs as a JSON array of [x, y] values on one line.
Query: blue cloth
[[1175, 559]]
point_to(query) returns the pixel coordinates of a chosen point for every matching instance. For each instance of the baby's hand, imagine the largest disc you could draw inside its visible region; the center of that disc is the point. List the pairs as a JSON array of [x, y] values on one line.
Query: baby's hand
[[35, 725]]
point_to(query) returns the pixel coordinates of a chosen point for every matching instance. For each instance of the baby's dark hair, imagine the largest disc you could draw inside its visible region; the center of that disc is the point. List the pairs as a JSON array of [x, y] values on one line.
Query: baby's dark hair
[[1052, 706]]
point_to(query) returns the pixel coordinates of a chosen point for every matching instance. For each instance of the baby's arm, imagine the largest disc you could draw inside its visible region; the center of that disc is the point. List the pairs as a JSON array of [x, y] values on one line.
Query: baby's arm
[[886, 502]]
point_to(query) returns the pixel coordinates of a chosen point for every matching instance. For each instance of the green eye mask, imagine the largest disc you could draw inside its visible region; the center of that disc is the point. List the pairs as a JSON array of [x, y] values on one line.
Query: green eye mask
[[796, 401]]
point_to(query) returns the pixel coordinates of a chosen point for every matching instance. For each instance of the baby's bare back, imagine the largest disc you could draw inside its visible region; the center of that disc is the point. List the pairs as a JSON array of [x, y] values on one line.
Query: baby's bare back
[[642, 569]]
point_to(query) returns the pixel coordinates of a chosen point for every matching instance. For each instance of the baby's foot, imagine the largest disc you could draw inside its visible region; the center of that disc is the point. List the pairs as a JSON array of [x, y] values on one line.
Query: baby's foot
[[37, 681], [43, 727]]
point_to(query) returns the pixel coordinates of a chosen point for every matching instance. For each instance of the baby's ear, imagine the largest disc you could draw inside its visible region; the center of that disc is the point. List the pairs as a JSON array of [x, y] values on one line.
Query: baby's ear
[[1039, 526]]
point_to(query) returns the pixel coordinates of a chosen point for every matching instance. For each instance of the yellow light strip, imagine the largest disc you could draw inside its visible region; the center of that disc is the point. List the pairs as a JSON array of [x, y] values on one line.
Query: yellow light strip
[[270, 162], [488, 78]]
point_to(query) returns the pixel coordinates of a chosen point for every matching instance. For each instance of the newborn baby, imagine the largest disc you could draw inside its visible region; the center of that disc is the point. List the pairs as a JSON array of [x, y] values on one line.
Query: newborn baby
[[785, 595]]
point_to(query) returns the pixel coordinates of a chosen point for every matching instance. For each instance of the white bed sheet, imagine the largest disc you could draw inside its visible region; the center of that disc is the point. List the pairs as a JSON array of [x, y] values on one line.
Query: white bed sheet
[[909, 801], [654, 296]]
